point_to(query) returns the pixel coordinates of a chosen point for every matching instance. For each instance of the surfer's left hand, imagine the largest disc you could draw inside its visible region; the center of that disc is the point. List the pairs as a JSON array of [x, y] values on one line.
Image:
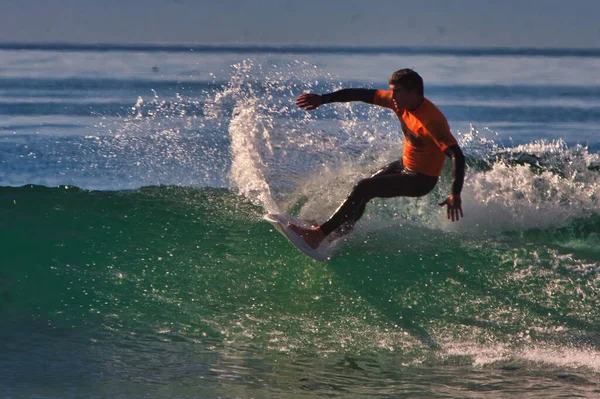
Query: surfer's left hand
[[454, 209], [309, 101]]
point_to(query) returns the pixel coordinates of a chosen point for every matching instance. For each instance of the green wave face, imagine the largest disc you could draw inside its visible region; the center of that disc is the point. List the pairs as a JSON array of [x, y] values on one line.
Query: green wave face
[[200, 266]]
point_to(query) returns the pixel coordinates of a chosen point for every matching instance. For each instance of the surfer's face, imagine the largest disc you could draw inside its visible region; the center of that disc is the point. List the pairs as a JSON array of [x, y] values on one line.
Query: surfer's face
[[400, 97], [404, 99]]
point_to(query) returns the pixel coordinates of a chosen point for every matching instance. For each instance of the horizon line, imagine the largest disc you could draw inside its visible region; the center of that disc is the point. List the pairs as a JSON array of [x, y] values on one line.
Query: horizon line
[[305, 49]]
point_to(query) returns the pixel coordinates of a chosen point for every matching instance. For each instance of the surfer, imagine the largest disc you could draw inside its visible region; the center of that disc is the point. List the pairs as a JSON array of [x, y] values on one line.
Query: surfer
[[427, 142]]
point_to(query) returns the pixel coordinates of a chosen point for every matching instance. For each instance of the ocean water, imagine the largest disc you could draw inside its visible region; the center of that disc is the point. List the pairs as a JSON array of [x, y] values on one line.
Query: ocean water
[[135, 263]]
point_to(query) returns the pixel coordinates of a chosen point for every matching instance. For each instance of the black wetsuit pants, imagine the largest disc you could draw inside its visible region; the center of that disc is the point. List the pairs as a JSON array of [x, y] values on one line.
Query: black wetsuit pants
[[393, 180]]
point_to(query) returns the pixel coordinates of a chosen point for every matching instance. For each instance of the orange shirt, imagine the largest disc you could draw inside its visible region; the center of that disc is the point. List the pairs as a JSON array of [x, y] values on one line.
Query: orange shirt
[[426, 135]]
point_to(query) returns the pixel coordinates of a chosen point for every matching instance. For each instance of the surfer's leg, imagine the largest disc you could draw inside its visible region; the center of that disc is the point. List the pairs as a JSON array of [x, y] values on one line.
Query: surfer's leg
[[356, 213], [315, 235], [386, 183]]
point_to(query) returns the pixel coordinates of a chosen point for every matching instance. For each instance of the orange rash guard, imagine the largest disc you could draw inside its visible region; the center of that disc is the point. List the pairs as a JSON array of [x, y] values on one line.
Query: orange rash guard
[[426, 135]]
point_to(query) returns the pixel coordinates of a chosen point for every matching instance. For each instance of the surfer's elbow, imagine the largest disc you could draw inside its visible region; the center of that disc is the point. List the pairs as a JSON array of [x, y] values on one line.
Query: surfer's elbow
[[454, 152]]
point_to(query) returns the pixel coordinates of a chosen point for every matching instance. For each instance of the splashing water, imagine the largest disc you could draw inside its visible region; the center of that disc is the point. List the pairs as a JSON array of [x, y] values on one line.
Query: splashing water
[[282, 156]]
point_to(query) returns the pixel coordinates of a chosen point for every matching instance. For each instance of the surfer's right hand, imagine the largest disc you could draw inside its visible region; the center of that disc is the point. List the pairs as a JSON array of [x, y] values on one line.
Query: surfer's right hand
[[454, 204], [309, 101]]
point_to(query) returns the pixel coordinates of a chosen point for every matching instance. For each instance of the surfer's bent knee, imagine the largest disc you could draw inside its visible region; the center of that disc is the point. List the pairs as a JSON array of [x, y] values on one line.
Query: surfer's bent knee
[[427, 185]]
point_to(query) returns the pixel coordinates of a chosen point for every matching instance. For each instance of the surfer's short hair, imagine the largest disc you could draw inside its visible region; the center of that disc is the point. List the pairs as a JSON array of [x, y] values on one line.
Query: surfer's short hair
[[408, 79]]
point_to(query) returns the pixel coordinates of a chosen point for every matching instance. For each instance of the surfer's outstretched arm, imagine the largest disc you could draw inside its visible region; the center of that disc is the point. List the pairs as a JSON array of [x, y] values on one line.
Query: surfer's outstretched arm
[[310, 101]]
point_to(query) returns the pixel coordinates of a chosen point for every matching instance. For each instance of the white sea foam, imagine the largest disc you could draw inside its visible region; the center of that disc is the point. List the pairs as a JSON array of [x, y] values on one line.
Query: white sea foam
[[537, 185], [562, 356]]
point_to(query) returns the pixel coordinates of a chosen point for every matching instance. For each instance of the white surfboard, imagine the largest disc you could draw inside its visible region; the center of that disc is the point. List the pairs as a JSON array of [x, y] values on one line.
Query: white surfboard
[[280, 222]]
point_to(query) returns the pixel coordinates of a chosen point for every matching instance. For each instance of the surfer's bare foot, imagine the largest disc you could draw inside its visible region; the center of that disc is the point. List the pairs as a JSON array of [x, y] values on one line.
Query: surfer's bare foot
[[313, 236]]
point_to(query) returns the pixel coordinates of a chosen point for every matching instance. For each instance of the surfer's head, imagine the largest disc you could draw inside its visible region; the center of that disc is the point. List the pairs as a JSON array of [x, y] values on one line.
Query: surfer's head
[[407, 86], [408, 79]]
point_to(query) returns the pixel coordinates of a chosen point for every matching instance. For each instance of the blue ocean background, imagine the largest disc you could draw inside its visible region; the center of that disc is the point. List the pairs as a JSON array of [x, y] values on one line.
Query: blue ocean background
[[135, 262]]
